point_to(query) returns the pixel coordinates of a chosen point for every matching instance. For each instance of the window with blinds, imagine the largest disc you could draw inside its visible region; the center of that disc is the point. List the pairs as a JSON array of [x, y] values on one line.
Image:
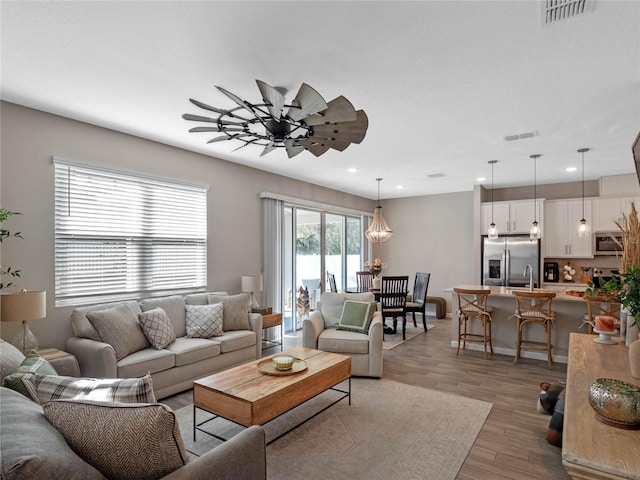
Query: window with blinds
[[121, 235]]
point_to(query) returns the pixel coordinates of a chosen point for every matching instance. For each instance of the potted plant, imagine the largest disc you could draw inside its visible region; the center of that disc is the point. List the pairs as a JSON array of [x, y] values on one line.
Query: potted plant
[[4, 234]]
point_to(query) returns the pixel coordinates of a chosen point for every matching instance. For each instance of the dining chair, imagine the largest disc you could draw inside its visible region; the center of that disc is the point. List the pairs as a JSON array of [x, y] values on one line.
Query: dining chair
[[332, 282], [534, 308], [365, 281], [472, 304], [418, 302], [393, 301]]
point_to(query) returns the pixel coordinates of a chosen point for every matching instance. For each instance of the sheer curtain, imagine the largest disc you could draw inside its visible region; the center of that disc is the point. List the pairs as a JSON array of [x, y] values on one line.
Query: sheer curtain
[[272, 261]]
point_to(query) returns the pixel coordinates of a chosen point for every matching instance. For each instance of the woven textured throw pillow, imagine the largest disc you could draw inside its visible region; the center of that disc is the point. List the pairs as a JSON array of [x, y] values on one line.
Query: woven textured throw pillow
[[157, 327], [43, 388], [122, 441], [32, 363], [204, 321], [236, 310], [119, 327]]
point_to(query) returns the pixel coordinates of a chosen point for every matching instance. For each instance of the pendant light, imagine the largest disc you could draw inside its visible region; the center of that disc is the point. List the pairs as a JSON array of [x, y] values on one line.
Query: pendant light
[[378, 231], [583, 227], [493, 231], [534, 233]]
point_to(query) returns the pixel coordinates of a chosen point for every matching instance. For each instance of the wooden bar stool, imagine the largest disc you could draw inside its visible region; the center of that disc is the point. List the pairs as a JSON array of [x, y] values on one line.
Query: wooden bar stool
[[534, 308], [472, 303], [597, 307]]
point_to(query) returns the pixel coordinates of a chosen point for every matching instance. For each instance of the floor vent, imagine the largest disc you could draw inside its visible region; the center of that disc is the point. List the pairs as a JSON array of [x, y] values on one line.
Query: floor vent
[[552, 11]]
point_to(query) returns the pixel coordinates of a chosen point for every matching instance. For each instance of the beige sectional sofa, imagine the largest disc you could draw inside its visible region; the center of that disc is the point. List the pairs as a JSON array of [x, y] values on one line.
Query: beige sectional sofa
[[174, 368]]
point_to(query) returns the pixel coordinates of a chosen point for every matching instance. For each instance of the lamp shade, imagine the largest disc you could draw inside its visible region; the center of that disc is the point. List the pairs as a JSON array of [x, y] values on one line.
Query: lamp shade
[[251, 283], [23, 306]]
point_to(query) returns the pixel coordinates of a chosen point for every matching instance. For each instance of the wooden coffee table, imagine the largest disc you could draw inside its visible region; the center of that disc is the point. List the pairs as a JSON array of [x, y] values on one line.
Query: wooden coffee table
[[248, 397]]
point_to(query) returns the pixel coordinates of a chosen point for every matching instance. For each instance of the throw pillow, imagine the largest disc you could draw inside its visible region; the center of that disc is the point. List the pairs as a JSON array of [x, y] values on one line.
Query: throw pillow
[[157, 327], [204, 321], [33, 363], [43, 388], [119, 327], [10, 359], [356, 316], [236, 311], [122, 441]]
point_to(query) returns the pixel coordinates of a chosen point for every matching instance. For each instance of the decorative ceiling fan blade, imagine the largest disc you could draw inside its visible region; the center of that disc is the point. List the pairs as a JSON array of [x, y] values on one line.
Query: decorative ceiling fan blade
[[331, 142], [308, 102], [236, 99], [272, 97], [209, 107], [339, 110], [228, 137], [316, 148], [269, 148], [352, 132], [245, 144], [199, 118], [292, 148], [215, 129]]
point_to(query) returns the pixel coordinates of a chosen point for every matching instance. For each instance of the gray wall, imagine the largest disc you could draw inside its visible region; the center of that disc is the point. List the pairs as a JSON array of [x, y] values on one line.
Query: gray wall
[[29, 138]]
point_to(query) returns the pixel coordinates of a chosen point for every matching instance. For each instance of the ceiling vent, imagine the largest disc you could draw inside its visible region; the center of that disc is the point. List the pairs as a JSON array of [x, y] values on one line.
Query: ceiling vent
[[436, 175], [552, 11], [520, 136]]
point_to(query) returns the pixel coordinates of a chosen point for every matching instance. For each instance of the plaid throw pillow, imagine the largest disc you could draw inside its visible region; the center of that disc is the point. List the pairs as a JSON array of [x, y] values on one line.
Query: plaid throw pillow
[[33, 363], [43, 388], [204, 321], [157, 327]]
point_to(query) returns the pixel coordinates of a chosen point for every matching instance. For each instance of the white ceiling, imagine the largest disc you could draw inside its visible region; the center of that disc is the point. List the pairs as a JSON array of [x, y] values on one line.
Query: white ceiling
[[442, 82]]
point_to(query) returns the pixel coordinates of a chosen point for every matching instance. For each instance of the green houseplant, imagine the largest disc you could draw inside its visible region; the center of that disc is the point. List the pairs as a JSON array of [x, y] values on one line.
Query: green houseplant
[[4, 234]]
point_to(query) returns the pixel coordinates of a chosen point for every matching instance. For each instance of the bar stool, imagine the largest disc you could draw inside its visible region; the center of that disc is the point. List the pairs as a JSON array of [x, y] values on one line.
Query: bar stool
[[472, 303], [534, 308]]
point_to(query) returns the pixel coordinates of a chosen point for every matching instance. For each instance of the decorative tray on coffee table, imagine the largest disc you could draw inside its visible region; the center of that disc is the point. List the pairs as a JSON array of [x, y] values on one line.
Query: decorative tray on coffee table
[[266, 366]]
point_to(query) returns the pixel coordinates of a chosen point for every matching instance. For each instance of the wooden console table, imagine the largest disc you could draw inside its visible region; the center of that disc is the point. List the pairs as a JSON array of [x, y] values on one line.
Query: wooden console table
[[591, 449]]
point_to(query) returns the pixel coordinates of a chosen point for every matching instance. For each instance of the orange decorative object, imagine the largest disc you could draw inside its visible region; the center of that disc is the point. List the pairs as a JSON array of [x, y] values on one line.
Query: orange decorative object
[[604, 323]]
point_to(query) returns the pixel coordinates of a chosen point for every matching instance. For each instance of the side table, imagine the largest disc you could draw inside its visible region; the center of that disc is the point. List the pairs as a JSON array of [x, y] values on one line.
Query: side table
[[65, 363], [269, 321]]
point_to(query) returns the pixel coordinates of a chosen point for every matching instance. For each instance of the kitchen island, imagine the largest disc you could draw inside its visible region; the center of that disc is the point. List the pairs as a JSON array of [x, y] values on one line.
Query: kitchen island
[[569, 315]]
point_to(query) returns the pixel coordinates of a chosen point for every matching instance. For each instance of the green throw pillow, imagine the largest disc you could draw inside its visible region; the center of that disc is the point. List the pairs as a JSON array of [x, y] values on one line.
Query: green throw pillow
[[33, 363], [356, 316]]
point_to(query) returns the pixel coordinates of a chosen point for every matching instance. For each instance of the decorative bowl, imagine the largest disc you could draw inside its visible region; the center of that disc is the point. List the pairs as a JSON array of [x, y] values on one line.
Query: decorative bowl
[[616, 402], [282, 362]]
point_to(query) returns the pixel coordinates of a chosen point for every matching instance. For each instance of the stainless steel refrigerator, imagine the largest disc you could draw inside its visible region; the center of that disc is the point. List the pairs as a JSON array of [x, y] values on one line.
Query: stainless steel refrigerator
[[504, 261]]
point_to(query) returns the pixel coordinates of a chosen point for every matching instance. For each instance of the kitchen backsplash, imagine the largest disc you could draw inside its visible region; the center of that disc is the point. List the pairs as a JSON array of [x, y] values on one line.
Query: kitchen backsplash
[[603, 265]]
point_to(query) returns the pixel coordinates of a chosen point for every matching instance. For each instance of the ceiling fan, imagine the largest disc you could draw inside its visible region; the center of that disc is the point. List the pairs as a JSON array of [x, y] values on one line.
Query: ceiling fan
[[309, 122]]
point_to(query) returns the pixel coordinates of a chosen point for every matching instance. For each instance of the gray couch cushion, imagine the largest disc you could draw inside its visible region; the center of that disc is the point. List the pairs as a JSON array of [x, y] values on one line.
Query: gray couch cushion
[[119, 327], [191, 350], [332, 303], [123, 441], [342, 341], [236, 340], [82, 326], [236, 310], [10, 359], [147, 360], [173, 306], [200, 298], [32, 448]]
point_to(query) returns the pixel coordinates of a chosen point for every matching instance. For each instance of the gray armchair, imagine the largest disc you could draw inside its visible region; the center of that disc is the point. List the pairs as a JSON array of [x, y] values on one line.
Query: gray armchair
[[319, 332]]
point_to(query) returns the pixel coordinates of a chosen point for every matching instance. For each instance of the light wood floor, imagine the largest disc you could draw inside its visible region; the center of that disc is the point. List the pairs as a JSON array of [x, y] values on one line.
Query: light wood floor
[[511, 443]]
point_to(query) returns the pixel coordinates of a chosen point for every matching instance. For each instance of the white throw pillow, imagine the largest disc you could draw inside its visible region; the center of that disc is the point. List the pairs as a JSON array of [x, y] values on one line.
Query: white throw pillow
[[204, 321]]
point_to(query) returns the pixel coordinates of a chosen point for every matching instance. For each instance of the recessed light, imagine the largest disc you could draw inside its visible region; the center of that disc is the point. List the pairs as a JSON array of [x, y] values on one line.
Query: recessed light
[[352, 170], [571, 169], [399, 187], [481, 179]]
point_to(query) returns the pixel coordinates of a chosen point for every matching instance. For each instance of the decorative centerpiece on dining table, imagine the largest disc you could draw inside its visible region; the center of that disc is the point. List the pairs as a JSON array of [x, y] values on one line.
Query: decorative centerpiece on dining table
[[376, 269]]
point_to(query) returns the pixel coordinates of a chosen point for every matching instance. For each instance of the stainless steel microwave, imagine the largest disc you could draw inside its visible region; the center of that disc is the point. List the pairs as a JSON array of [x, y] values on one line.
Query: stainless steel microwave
[[607, 243]]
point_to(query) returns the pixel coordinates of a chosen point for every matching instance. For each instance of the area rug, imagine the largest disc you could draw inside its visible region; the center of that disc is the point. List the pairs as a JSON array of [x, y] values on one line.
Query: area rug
[[391, 430], [392, 340]]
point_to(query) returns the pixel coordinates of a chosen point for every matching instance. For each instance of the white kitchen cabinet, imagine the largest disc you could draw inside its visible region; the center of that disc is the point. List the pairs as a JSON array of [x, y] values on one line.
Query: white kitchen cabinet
[[511, 217], [609, 210], [561, 219]]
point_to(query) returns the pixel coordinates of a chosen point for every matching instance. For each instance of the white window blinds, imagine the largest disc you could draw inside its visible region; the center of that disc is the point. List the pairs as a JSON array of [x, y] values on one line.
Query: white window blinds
[[121, 235]]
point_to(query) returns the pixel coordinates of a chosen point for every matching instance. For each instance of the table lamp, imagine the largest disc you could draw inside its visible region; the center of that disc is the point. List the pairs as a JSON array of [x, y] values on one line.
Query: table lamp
[[24, 306], [251, 284]]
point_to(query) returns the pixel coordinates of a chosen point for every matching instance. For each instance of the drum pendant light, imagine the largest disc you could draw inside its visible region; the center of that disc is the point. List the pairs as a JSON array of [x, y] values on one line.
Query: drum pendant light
[[583, 226], [378, 231], [493, 231], [534, 233]]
